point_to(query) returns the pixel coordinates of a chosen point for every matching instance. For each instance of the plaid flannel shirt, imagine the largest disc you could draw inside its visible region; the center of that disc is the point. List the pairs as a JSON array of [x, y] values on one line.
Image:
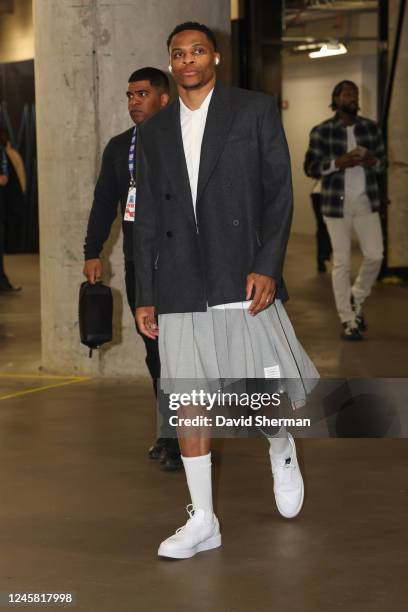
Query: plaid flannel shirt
[[328, 141]]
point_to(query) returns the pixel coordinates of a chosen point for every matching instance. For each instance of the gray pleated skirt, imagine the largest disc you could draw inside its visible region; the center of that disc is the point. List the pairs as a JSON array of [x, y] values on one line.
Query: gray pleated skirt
[[206, 348]]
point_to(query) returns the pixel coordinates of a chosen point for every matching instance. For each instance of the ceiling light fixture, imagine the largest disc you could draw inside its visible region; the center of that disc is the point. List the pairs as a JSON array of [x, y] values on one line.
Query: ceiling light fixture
[[329, 49]]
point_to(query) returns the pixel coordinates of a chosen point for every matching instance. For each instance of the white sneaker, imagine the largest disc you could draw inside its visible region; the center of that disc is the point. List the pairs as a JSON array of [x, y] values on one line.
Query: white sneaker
[[288, 482], [201, 532]]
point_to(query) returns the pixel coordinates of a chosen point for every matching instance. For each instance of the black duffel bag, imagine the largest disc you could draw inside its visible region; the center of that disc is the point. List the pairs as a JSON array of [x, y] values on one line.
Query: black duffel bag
[[95, 315]]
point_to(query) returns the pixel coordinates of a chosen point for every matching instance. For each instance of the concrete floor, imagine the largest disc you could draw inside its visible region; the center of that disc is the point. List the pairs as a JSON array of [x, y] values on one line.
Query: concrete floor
[[83, 510]]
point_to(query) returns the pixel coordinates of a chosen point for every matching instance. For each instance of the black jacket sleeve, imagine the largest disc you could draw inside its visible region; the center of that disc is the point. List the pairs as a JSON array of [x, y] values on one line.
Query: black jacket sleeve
[[104, 206], [277, 195], [145, 229]]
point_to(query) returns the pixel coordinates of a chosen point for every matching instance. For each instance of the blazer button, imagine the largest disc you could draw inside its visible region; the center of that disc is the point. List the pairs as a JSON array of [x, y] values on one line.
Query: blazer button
[[167, 196], [235, 222], [169, 234]]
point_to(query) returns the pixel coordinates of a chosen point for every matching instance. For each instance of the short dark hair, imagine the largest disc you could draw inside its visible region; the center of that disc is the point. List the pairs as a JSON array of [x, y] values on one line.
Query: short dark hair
[[156, 77], [337, 91], [193, 25]]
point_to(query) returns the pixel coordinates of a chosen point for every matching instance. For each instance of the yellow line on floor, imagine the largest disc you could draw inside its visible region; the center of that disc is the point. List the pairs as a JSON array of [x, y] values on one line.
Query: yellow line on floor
[[49, 376], [77, 379]]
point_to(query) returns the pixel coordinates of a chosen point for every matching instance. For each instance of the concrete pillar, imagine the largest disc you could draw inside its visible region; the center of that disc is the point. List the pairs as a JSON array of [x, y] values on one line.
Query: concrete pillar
[[398, 148], [84, 53]]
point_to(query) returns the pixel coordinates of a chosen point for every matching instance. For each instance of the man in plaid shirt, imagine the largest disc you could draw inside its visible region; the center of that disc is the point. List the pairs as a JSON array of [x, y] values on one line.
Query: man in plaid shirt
[[347, 153]]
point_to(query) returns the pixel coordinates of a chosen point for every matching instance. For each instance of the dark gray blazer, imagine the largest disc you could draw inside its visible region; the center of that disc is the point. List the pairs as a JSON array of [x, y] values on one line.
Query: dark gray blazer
[[244, 205]]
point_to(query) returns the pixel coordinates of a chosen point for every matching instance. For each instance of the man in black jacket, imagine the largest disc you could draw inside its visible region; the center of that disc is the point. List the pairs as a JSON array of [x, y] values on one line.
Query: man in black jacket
[[147, 93], [212, 225]]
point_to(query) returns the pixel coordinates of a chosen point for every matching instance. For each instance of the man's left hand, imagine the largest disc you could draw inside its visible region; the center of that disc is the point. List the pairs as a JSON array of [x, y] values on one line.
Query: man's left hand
[[265, 290], [3, 180]]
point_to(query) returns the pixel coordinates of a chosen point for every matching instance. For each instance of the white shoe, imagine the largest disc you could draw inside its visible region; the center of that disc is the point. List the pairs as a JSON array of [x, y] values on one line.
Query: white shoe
[[201, 532], [288, 482]]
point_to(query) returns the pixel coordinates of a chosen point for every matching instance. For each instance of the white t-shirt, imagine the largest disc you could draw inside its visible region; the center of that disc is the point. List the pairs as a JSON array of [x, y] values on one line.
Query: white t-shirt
[[355, 178]]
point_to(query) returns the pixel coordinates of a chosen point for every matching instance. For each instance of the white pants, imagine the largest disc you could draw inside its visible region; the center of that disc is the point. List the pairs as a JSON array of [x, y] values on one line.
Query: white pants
[[368, 229]]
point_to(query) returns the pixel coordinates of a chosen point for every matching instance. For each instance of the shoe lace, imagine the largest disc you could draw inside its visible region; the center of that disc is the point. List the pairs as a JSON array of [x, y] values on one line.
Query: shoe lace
[[190, 511], [285, 475], [289, 466]]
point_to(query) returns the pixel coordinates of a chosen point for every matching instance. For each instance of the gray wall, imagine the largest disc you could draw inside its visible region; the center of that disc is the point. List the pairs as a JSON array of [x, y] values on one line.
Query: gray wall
[[83, 57]]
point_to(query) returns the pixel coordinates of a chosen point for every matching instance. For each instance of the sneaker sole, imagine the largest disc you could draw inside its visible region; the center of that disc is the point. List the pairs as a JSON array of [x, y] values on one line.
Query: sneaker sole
[[186, 553]]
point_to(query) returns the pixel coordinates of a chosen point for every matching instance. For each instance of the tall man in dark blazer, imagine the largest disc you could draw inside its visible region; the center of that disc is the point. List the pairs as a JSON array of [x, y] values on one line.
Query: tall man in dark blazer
[[147, 93], [213, 213]]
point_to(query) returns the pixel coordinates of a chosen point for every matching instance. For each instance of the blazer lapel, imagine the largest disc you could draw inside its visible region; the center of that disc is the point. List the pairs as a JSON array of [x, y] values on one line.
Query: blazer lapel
[[218, 124], [176, 166]]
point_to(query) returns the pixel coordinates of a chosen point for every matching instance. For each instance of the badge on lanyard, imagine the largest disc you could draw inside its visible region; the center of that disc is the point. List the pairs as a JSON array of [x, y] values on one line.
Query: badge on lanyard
[[130, 204], [131, 197]]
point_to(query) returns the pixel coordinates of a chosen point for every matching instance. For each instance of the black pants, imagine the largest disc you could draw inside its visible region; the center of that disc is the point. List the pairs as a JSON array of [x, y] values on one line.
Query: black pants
[[324, 248], [152, 346]]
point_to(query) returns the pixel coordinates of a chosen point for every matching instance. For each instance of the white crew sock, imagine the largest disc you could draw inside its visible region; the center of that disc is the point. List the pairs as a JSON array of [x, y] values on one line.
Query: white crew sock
[[198, 474], [279, 443]]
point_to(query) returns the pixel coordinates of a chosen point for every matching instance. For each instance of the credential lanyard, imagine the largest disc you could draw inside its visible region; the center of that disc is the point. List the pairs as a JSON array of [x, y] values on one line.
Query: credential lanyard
[[132, 158]]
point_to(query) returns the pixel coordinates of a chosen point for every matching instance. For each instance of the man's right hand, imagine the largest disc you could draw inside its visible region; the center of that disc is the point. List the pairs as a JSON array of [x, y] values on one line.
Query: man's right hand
[[146, 321], [3, 180], [348, 160], [93, 270]]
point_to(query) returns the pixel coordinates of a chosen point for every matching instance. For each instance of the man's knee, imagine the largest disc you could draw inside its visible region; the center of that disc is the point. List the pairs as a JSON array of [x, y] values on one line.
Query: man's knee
[[373, 256], [341, 261]]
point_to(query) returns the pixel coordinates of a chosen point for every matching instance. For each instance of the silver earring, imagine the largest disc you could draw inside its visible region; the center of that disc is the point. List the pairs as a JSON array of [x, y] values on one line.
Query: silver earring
[[170, 69], [217, 61]]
